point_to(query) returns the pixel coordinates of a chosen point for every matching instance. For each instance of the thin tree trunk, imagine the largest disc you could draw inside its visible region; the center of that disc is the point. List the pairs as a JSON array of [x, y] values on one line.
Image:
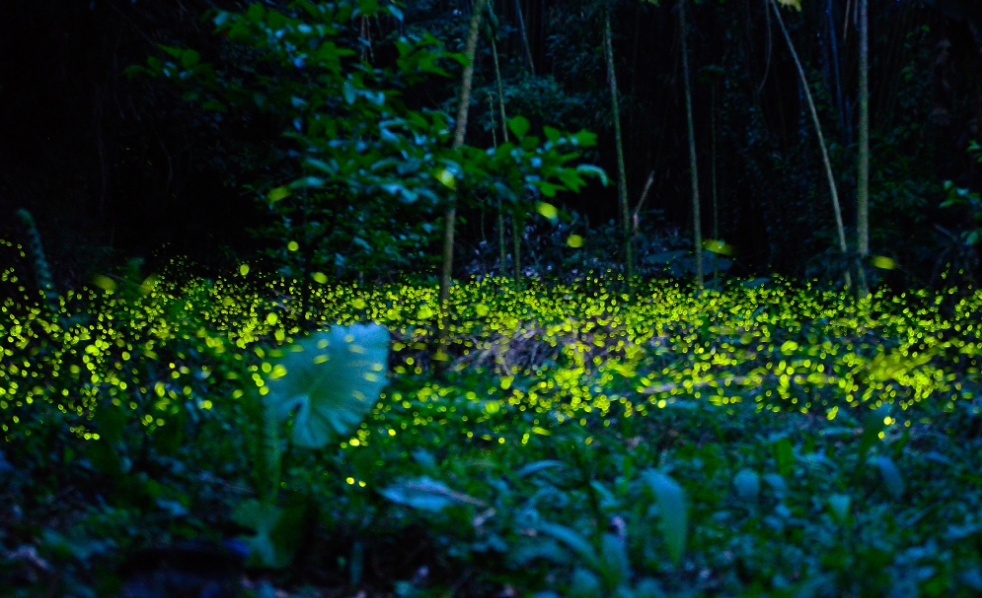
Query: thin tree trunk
[[862, 184], [470, 51], [504, 139], [840, 105], [525, 38], [621, 170], [516, 225], [833, 191], [693, 164], [712, 178]]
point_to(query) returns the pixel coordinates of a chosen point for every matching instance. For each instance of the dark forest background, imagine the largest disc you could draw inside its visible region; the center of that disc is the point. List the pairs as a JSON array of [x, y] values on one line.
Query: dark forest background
[[114, 166]]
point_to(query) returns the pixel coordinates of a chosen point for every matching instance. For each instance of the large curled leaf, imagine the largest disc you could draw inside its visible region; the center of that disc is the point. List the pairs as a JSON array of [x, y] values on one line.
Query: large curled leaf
[[329, 381]]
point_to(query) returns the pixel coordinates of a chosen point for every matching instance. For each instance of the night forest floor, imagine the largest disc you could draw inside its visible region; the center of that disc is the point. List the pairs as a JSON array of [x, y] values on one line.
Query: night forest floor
[[776, 438]]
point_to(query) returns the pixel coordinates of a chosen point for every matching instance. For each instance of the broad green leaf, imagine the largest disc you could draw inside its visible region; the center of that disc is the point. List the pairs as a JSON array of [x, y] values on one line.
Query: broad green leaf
[[672, 510], [747, 484], [426, 494], [256, 13], [777, 483], [190, 58], [585, 584], [584, 138], [329, 381], [890, 474], [519, 125]]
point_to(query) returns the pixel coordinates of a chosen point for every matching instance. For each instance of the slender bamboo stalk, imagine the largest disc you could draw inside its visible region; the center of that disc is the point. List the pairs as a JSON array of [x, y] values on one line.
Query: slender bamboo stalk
[[525, 38], [621, 170], [504, 139], [833, 191], [862, 185], [693, 163], [516, 237], [712, 179]]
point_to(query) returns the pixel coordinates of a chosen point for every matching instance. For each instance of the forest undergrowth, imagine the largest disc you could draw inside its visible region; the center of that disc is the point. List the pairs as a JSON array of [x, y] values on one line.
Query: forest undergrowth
[[775, 438]]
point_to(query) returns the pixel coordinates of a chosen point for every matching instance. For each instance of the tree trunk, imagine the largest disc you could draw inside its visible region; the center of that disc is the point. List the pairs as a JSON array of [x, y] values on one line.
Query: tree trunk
[[693, 165], [504, 139], [862, 179], [517, 224], [470, 51], [712, 180], [833, 191], [525, 37], [621, 170]]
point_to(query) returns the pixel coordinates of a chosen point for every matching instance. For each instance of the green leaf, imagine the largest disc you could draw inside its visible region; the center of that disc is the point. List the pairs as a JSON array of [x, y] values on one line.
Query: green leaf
[[784, 457], [537, 467], [278, 193], [573, 540], [585, 584], [615, 566], [672, 509], [890, 474], [872, 427], [190, 58], [839, 507], [426, 494], [329, 381], [552, 134], [519, 125], [584, 138], [747, 484], [349, 92], [591, 170], [256, 13]]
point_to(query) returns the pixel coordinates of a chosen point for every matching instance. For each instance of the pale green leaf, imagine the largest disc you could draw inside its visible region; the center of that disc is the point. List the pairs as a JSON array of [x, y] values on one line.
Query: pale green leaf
[[331, 381]]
